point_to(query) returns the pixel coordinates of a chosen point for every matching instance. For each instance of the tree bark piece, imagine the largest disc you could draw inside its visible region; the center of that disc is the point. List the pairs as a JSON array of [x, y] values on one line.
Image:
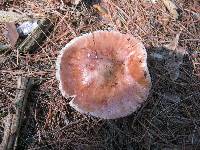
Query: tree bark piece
[[13, 121], [36, 38]]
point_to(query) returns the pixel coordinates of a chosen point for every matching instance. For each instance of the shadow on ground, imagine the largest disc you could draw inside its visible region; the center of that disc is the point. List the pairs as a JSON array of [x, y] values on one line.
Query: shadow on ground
[[170, 118]]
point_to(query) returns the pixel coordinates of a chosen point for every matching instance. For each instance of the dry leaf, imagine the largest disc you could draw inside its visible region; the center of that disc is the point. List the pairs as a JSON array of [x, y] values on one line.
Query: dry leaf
[[174, 43], [101, 9], [103, 12], [111, 13], [175, 57], [12, 33], [172, 8]]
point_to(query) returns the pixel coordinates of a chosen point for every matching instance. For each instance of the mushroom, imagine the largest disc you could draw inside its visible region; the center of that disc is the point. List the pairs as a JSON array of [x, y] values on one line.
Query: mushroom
[[105, 72]]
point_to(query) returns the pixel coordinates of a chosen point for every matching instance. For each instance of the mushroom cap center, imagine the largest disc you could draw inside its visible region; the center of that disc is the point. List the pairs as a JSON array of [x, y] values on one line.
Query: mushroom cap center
[[99, 69]]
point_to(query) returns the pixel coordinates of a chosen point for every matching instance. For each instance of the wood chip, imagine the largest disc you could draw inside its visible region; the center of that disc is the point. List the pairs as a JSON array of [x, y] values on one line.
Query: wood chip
[[12, 34], [172, 8]]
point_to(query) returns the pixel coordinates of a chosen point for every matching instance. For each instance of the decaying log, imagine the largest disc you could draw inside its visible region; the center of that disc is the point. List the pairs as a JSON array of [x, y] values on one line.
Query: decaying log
[[37, 37], [13, 121]]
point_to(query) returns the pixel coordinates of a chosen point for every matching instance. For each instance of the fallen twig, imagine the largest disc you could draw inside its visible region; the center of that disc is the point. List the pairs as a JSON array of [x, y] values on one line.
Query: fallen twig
[[13, 121]]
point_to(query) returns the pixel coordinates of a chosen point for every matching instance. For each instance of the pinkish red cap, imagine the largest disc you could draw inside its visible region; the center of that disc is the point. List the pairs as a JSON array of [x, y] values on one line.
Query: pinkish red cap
[[106, 72]]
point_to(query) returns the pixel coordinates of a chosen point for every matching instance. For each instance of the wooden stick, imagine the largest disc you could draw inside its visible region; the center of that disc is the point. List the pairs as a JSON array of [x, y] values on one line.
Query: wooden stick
[[13, 121]]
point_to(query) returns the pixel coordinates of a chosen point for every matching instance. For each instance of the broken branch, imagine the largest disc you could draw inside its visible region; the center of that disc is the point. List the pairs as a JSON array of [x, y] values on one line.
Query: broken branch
[[13, 121]]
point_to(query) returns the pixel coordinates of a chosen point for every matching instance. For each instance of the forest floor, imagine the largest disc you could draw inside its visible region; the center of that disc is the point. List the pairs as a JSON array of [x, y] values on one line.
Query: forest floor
[[170, 117]]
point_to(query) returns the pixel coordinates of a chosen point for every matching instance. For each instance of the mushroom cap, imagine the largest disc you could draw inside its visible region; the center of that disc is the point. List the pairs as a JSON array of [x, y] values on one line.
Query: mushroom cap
[[106, 72]]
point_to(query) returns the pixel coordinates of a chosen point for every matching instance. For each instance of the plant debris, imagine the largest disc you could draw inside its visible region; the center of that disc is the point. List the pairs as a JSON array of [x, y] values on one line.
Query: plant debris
[[172, 8], [175, 57], [10, 16], [13, 121], [34, 39], [12, 33], [27, 27], [169, 119]]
